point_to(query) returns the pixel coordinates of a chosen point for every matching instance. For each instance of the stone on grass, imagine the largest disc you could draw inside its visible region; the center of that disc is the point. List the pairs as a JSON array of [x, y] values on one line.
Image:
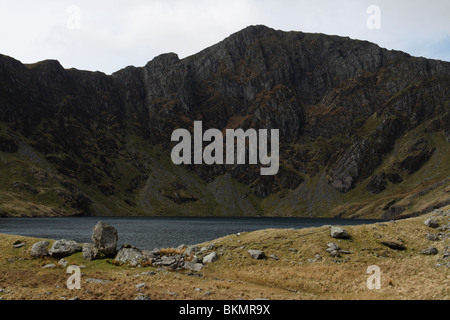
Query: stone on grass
[[430, 251], [64, 248], [394, 245], [431, 223], [129, 256], [257, 254], [339, 233], [39, 249], [210, 258]]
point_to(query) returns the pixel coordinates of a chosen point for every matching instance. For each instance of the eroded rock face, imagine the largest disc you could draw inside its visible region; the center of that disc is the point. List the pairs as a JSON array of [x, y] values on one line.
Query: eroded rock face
[[355, 96]]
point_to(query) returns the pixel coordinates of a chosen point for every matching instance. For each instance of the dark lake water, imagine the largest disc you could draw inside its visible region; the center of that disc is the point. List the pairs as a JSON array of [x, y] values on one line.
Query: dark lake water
[[158, 232]]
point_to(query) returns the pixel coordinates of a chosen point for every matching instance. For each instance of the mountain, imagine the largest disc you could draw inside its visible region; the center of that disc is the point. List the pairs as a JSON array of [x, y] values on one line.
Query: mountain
[[364, 131]]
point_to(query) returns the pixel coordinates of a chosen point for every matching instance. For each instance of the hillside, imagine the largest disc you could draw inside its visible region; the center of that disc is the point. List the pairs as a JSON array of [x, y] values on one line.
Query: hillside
[[364, 131]]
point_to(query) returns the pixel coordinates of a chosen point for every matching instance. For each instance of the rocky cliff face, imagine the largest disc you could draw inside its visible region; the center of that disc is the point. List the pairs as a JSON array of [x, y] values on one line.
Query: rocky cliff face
[[355, 121]]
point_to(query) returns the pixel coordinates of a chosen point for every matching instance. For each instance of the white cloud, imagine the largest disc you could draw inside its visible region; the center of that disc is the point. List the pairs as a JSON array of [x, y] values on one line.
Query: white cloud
[[117, 33]]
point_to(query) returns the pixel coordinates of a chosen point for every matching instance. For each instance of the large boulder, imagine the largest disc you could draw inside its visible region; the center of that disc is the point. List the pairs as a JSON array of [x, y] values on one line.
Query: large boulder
[[64, 248], [39, 249], [105, 238]]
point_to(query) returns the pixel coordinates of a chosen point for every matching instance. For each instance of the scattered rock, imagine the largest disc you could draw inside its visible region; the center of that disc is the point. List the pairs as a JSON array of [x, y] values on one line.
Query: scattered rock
[[210, 258], [430, 251], [431, 223], [257, 254], [394, 245], [190, 250], [49, 266], [105, 238], [196, 267], [18, 244], [63, 262], [293, 250], [64, 248], [129, 256], [142, 296], [140, 285], [339, 233], [98, 281], [90, 252], [39, 249], [274, 257], [432, 237]]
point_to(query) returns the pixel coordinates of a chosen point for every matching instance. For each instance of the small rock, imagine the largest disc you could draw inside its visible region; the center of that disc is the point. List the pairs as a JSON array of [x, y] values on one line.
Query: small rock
[[274, 257], [142, 297], [49, 266], [257, 254], [90, 252], [140, 285], [18, 244], [63, 262], [339, 233], [335, 254], [432, 237], [431, 223], [393, 245], [293, 250], [196, 267], [98, 281], [210, 258], [430, 251]]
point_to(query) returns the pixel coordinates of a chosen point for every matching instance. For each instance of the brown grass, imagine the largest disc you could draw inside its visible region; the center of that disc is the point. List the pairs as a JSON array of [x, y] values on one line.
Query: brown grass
[[405, 275]]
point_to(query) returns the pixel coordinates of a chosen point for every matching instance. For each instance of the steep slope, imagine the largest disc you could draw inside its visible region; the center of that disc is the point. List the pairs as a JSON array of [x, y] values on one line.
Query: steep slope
[[364, 131]]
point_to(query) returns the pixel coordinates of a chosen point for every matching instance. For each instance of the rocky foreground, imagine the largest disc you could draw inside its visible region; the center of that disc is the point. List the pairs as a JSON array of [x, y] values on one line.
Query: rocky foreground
[[318, 263]]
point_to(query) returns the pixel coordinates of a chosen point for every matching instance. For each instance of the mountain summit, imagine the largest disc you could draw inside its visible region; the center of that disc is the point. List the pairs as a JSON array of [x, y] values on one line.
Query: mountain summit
[[364, 131]]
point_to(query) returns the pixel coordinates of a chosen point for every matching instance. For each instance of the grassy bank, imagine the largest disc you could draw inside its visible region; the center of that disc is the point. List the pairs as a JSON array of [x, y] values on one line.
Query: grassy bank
[[302, 268]]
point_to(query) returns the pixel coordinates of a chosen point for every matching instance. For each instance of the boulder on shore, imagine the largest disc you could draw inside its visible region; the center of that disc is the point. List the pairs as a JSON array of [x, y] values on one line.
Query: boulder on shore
[[39, 249], [105, 238], [64, 248], [130, 256]]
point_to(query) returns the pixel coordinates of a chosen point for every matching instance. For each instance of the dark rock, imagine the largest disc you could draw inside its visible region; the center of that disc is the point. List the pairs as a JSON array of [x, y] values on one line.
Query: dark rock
[[431, 223], [394, 245], [430, 252]]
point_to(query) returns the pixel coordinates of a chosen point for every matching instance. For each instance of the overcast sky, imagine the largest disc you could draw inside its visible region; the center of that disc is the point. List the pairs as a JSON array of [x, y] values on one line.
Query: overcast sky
[[108, 35]]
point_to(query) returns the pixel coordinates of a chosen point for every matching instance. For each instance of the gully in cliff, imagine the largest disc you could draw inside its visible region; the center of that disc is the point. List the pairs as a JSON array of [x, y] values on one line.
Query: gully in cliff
[[235, 139]]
